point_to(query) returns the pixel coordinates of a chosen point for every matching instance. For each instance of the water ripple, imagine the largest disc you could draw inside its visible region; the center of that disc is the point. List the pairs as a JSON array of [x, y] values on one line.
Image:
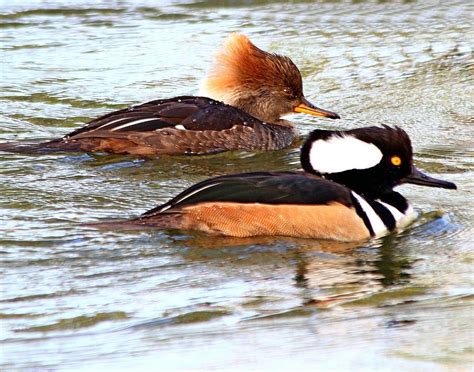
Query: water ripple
[[72, 294]]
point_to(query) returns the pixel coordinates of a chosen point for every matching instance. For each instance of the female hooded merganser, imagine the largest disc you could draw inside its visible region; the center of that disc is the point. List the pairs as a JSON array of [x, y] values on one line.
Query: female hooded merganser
[[256, 88], [345, 192]]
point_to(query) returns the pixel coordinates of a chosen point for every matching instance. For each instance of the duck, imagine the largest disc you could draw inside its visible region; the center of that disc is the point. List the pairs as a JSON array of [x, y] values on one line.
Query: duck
[[344, 193], [243, 98]]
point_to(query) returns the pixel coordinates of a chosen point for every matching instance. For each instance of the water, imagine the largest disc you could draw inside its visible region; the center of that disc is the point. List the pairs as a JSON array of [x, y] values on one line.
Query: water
[[78, 299]]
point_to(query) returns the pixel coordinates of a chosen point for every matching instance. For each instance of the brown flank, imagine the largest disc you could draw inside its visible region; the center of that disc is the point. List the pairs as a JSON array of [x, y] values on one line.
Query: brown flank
[[334, 221]]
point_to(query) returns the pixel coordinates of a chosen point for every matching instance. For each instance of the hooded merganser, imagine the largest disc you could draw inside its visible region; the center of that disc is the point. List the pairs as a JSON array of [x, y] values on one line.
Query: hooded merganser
[[256, 88], [345, 192]]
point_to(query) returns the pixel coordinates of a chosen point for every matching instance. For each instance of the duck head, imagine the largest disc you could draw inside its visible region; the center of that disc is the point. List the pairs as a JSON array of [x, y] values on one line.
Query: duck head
[[265, 85], [371, 160]]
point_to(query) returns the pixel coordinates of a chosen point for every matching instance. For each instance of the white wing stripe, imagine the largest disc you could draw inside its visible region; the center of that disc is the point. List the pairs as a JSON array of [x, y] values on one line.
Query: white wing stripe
[[195, 192], [136, 122], [110, 123]]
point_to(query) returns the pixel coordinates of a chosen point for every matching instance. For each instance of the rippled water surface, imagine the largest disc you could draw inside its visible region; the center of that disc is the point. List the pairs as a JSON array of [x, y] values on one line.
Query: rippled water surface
[[77, 298]]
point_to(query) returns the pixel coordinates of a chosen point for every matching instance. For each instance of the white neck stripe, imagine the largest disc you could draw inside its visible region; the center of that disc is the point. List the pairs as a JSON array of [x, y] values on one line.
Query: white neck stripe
[[397, 215], [401, 219], [378, 227]]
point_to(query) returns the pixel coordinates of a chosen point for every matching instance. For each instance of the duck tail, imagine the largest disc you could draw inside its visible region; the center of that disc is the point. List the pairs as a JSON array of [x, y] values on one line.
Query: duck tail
[[57, 145], [117, 225], [165, 221]]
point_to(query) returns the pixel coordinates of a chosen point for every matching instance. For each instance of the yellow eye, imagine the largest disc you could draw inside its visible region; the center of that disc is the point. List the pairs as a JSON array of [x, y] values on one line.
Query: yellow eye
[[395, 160]]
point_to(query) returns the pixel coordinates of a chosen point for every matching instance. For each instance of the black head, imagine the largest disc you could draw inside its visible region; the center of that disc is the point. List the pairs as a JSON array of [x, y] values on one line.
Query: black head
[[370, 160]]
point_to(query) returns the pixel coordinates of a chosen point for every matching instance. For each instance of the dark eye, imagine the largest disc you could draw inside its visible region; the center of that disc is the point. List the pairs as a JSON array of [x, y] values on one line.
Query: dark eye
[[289, 93]]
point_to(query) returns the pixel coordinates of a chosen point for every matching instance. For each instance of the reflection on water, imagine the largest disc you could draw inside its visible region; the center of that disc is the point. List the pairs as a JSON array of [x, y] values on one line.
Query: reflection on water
[[77, 298]]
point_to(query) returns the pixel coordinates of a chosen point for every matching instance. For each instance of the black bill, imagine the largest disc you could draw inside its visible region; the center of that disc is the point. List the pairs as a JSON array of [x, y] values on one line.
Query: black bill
[[418, 178]]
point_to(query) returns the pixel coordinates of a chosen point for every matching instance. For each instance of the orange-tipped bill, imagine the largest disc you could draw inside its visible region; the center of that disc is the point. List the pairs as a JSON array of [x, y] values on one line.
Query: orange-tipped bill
[[307, 107]]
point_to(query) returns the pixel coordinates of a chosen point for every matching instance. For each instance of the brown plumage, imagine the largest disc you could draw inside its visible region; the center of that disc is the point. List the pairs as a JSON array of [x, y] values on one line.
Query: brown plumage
[[256, 88], [332, 221], [242, 73]]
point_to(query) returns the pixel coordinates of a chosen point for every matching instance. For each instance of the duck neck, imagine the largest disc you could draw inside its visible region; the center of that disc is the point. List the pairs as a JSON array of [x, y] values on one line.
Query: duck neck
[[256, 103], [249, 99], [396, 200], [384, 213], [286, 123]]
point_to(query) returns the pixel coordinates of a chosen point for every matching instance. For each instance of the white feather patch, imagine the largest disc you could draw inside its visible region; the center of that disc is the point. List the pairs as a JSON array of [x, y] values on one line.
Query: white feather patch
[[195, 192], [339, 154], [376, 222], [135, 122], [110, 123], [401, 219], [188, 196]]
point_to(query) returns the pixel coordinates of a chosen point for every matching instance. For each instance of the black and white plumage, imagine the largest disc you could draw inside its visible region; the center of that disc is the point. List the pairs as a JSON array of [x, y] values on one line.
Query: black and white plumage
[[348, 198]]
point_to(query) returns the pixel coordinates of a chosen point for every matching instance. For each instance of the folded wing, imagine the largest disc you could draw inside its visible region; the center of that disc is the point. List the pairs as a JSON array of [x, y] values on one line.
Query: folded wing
[[261, 187]]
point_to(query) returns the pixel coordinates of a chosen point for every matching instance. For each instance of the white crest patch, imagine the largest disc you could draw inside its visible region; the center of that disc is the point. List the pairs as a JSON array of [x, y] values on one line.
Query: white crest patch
[[339, 154]]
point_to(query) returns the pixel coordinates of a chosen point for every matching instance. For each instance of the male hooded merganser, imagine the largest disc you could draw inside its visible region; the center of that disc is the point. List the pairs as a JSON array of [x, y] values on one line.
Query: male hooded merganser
[[256, 88], [345, 192]]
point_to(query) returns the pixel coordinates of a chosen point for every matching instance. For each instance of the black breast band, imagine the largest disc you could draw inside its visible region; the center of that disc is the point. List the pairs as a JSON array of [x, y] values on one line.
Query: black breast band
[[380, 210]]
